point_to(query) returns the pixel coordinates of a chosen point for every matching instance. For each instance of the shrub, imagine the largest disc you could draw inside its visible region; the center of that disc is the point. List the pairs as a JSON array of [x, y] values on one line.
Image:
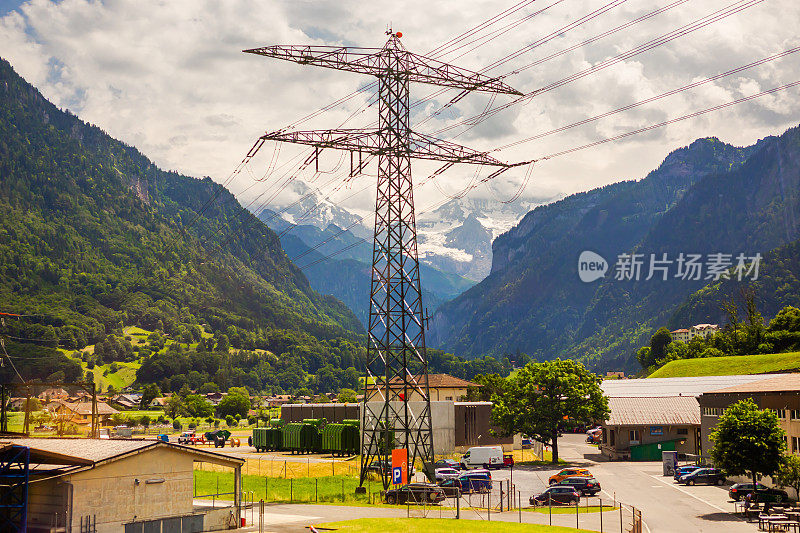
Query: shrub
[[176, 425], [230, 421], [217, 422]]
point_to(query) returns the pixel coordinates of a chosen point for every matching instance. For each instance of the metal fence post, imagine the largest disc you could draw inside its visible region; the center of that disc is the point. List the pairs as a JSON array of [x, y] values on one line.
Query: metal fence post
[[577, 512], [620, 517], [520, 506], [291, 487], [550, 507], [458, 503], [316, 490], [601, 515]]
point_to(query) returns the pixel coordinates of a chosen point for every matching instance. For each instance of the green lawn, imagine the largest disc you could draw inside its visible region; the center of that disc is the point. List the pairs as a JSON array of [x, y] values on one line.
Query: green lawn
[[322, 489], [730, 366], [440, 525]]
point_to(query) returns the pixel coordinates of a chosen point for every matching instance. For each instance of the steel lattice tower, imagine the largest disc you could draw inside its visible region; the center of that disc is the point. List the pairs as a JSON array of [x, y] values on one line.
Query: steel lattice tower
[[397, 366]]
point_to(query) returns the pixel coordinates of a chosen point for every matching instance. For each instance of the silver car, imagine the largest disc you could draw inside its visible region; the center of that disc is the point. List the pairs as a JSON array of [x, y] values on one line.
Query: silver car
[[446, 473]]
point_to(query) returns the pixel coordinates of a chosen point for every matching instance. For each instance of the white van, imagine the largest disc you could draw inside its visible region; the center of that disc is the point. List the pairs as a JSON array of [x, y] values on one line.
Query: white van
[[483, 457]]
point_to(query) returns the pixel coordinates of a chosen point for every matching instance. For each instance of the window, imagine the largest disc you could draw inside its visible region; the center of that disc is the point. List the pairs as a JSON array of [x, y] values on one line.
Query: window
[[795, 444], [780, 413], [713, 411], [683, 431], [795, 414], [634, 436]]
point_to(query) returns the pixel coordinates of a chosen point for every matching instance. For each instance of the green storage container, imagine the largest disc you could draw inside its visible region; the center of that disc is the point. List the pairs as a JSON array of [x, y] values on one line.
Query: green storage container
[[351, 422], [267, 439], [299, 437], [275, 422]]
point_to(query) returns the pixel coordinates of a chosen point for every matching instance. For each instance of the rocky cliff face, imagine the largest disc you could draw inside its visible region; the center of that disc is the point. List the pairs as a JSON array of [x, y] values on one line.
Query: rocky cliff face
[[533, 300]]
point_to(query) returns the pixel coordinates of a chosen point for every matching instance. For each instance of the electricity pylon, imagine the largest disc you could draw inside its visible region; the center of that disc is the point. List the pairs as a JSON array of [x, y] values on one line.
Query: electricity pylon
[[396, 410]]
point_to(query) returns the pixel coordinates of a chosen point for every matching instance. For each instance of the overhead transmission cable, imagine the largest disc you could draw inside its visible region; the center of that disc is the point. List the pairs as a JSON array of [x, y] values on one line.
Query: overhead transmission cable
[[697, 24]]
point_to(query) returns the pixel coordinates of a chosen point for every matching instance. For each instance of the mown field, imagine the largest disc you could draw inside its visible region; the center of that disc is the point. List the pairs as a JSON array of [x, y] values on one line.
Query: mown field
[[730, 365]]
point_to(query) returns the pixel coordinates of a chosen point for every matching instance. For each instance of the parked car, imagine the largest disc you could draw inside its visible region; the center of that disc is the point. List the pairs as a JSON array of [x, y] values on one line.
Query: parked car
[[380, 467], [446, 473], [768, 495], [447, 463], [558, 494], [187, 437], [709, 476], [685, 469], [527, 443], [569, 472], [739, 490], [415, 493], [595, 438], [587, 486], [483, 456], [467, 483]]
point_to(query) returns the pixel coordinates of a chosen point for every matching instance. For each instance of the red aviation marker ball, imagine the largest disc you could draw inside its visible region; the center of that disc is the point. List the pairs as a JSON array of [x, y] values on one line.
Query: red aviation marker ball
[[399, 34]]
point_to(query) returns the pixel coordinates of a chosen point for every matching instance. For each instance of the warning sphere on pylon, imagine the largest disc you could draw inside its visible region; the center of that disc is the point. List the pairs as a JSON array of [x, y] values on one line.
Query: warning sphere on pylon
[[399, 34]]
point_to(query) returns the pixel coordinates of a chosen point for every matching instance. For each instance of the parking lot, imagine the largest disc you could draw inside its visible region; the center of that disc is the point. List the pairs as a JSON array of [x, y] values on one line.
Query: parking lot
[[666, 506]]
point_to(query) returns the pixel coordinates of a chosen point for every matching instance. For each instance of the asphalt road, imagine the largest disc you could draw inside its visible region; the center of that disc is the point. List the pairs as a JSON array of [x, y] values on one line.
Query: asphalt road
[[666, 506]]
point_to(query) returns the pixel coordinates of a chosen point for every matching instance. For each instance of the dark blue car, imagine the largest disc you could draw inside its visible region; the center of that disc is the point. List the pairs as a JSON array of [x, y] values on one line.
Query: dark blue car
[[467, 483], [683, 470]]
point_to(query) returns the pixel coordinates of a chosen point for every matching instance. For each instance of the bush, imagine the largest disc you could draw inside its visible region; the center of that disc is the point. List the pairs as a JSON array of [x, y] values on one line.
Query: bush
[[192, 425], [217, 422], [209, 420], [176, 425], [161, 419], [252, 420], [230, 421]]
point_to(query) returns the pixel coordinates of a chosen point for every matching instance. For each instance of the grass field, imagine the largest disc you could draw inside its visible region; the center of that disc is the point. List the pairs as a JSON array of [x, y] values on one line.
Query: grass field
[[440, 525], [322, 489], [729, 366]]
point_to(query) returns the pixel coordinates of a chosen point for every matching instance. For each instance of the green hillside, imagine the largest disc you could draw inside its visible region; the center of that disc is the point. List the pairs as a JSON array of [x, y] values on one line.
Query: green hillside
[[95, 238], [730, 366]]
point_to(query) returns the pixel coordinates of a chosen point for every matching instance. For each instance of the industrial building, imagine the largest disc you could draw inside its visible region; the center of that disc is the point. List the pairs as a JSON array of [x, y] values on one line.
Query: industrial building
[[652, 415], [456, 425], [119, 486], [780, 394]]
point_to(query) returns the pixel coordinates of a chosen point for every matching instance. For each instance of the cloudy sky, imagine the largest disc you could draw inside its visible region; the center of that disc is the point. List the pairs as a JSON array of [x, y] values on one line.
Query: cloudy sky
[[169, 77]]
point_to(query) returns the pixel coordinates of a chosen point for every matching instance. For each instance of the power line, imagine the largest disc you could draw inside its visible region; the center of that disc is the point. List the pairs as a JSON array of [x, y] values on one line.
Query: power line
[[652, 98], [697, 24]]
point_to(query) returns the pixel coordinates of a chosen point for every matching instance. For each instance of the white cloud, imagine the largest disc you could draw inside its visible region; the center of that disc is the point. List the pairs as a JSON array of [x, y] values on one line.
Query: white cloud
[[169, 77]]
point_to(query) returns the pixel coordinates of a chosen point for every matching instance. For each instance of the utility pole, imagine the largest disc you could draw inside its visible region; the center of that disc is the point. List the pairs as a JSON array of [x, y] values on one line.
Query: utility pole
[[397, 364]]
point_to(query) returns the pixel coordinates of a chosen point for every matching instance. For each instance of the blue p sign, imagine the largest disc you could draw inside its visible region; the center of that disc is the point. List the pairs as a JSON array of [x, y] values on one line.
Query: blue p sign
[[397, 475]]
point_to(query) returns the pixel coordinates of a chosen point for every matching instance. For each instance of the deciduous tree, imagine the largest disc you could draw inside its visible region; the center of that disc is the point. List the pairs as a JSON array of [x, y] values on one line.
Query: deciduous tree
[[541, 396], [748, 441]]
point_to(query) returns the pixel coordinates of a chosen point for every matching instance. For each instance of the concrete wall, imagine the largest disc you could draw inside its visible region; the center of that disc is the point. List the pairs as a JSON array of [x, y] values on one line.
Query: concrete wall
[[442, 420], [111, 494], [473, 427]]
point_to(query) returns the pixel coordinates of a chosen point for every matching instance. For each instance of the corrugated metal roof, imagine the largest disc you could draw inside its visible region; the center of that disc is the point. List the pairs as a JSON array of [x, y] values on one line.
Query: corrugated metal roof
[[777, 383], [693, 386], [645, 411], [99, 450]]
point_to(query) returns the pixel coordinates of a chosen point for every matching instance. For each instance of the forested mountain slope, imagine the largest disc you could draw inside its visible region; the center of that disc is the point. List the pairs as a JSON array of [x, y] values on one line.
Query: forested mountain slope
[[94, 236], [709, 197]]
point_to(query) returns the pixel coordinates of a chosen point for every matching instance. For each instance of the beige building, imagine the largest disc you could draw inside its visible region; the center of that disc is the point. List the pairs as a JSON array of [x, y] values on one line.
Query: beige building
[[443, 387], [698, 330], [122, 486], [81, 412], [681, 335], [640, 428]]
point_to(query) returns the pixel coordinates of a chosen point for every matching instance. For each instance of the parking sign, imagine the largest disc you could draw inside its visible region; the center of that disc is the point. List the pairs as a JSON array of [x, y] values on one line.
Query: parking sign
[[397, 475]]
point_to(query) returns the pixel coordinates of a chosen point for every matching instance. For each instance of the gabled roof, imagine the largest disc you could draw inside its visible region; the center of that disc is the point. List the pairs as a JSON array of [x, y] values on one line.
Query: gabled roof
[[661, 410], [97, 451], [438, 381]]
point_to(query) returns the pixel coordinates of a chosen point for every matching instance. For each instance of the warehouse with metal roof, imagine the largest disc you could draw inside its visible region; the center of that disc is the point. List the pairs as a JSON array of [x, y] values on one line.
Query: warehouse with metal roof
[[116, 486]]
